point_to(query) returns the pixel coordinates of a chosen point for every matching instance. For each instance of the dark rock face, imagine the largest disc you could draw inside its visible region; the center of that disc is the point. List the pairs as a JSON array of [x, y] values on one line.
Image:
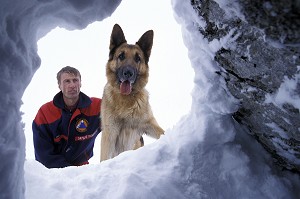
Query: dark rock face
[[264, 54]]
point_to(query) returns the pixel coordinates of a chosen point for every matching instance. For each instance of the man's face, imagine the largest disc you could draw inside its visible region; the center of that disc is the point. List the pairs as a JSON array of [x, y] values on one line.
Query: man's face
[[70, 85]]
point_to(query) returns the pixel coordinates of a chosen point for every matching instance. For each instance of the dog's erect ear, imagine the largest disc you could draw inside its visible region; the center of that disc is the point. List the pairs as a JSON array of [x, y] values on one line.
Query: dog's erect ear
[[145, 43], [116, 39]]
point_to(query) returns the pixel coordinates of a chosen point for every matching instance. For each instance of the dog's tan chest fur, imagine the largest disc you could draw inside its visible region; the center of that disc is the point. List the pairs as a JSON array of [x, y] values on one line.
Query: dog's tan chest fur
[[133, 105]]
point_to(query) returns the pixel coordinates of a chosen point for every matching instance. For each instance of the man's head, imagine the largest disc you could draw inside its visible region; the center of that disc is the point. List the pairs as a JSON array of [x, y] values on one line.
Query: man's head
[[69, 82]]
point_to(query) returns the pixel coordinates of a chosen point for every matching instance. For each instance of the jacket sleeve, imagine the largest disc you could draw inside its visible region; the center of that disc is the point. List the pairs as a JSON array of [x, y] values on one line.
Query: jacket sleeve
[[44, 148]]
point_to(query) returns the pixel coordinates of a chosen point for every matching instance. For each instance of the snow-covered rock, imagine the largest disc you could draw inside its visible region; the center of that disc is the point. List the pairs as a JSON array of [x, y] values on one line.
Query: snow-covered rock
[[261, 66]]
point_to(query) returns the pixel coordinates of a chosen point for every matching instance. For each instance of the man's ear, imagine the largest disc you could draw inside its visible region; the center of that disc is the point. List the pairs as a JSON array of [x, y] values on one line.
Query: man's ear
[[117, 38]]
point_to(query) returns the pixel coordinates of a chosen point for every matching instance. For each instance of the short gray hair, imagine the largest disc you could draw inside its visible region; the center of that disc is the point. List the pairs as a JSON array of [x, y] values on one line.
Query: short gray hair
[[67, 69]]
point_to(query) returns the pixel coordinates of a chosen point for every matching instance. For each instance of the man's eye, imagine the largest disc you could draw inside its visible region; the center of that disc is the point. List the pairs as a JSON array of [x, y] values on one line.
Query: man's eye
[[121, 56]]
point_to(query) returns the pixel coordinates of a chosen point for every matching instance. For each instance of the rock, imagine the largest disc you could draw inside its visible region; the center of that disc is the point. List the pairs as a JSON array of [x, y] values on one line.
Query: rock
[[264, 58]]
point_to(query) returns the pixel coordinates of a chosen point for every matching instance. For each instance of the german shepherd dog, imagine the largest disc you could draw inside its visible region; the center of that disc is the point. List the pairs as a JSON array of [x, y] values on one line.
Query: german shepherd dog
[[125, 110]]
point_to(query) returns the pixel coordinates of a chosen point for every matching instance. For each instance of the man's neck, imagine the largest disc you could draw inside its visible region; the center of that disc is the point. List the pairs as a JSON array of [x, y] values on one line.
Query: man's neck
[[71, 103]]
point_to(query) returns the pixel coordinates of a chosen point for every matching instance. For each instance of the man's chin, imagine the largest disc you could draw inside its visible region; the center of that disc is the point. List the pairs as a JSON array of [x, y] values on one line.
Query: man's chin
[[72, 95]]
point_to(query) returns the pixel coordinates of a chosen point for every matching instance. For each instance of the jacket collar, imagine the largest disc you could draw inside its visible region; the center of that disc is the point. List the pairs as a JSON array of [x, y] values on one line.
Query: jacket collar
[[84, 100]]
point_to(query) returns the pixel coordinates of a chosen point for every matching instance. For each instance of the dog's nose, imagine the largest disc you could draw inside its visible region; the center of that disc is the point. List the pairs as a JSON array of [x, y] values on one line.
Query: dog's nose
[[127, 73]]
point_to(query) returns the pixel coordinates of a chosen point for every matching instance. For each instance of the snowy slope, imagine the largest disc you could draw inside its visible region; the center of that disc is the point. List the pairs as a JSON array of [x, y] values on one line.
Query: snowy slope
[[206, 155]]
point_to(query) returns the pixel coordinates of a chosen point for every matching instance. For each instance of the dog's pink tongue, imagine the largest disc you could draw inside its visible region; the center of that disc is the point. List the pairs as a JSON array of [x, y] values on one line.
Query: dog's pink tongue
[[125, 88]]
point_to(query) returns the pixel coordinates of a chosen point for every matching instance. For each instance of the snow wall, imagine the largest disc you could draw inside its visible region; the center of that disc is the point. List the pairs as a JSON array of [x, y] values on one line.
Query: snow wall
[[23, 23]]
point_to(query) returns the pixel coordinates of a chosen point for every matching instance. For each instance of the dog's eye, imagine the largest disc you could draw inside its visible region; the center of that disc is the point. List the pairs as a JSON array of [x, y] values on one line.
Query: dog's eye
[[121, 56], [137, 58]]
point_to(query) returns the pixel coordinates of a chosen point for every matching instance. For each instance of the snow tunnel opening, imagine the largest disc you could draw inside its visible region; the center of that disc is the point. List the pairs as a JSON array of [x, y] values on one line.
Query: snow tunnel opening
[[87, 50]]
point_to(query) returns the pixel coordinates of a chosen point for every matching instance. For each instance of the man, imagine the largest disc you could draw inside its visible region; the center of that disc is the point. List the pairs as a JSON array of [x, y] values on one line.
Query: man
[[64, 130]]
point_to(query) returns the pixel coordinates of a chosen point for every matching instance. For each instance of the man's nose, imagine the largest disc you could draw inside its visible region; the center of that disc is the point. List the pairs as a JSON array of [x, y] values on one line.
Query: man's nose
[[72, 84]]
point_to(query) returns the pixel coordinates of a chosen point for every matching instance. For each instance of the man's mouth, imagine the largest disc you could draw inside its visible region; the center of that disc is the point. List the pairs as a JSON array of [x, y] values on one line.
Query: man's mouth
[[72, 91]]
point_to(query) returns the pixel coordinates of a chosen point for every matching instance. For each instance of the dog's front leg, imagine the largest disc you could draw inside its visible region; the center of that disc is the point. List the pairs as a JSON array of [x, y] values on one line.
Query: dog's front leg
[[153, 129], [108, 144]]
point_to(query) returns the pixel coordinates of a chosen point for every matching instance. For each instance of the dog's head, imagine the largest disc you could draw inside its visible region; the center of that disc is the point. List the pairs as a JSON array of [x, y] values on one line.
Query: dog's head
[[127, 67]]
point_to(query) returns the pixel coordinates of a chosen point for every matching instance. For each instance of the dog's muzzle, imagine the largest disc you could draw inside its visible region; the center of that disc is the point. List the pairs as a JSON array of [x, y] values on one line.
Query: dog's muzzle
[[126, 76]]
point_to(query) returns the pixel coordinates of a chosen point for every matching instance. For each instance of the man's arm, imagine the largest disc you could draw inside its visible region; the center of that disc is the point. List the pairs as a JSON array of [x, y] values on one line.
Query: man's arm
[[44, 148]]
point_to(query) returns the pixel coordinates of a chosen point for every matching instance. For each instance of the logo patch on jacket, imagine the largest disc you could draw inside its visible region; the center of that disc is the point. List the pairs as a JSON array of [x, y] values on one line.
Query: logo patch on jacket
[[81, 125]]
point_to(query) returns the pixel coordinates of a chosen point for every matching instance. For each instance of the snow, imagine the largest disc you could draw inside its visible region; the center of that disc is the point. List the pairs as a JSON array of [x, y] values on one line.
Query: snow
[[205, 155], [277, 129], [287, 93], [232, 8]]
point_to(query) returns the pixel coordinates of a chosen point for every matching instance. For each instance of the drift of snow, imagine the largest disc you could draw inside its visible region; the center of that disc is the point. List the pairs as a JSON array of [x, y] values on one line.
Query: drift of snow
[[206, 155], [288, 92]]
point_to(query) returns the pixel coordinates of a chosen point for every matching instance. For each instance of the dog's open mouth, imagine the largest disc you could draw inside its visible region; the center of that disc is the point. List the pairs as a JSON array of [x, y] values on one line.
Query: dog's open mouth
[[125, 87], [127, 76]]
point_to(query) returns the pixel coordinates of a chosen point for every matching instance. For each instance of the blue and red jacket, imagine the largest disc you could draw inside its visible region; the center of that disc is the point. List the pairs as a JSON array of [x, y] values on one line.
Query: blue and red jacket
[[63, 138]]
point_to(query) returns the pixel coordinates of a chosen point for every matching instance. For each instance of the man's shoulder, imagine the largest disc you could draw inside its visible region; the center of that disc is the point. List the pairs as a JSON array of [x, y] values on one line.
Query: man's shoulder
[[95, 100], [48, 106], [86, 101], [96, 103], [93, 108], [48, 113]]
